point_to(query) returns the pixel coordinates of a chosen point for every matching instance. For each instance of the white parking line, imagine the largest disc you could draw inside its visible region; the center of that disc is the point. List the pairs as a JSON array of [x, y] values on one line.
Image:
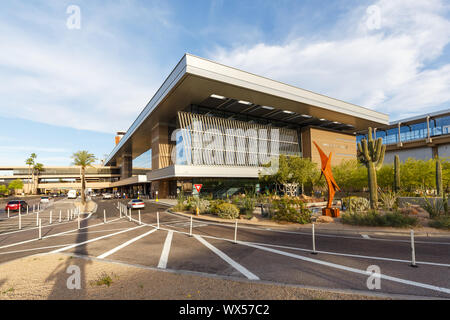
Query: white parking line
[[345, 268], [92, 240], [166, 250], [123, 245], [230, 261]]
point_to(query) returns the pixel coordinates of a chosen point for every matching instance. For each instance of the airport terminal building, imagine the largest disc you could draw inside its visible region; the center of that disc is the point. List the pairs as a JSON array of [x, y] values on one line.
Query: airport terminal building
[[219, 126]]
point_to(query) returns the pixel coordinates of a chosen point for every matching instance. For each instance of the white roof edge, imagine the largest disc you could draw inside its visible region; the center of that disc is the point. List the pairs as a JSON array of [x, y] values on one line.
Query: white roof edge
[[177, 73], [204, 67], [422, 116]]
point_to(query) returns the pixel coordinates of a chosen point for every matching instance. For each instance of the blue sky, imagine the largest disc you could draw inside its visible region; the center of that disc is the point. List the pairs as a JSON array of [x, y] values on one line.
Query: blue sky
[[69, 89]]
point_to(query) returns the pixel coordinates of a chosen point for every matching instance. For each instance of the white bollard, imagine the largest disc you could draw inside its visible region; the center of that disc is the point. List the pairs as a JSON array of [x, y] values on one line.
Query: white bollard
[[139, 213], [68, 214], [104, 216], [313, 240], [51, 216], [20, 222], [60, 213], [190, 228], [40, 229], [8, 212], [157, 219], [20, 208], [37, 219], [235, 231], [413, 251]]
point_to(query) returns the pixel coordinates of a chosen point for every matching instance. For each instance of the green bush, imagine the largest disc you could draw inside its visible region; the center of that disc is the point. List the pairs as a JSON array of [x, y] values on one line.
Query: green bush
[[291, 210], [442, 222], [375, 219], [214, 206], [227, 211]]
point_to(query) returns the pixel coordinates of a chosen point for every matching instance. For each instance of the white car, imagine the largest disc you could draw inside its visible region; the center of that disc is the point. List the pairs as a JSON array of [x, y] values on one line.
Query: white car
[[107, 196], [45, 199], [136, 204]]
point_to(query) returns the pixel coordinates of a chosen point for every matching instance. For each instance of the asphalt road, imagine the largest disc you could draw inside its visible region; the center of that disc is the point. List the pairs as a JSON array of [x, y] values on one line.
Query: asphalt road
[[278, 256]]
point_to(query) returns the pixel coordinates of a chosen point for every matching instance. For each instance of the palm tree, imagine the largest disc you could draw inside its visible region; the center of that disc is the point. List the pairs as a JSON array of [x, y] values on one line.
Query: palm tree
[[37, 169], [83, 159], [30, 163]]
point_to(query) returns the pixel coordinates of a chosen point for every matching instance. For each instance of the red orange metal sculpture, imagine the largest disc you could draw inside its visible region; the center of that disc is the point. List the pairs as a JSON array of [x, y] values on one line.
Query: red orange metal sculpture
[[331, 183]]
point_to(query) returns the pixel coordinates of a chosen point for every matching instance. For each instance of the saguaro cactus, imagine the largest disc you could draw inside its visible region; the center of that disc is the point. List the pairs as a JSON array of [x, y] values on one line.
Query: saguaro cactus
[[396, 173], [439, 178], [371, 154]]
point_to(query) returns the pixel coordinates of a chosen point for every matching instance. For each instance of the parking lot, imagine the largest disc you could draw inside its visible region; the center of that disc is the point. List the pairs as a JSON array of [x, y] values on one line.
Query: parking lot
[[259, 254]]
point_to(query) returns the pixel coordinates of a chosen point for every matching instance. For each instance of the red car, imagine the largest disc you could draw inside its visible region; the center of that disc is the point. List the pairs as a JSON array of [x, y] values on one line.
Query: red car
[[14, 205]]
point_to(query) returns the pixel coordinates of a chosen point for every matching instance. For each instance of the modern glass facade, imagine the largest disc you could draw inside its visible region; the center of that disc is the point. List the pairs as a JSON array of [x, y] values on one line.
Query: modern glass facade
[[438, 126]]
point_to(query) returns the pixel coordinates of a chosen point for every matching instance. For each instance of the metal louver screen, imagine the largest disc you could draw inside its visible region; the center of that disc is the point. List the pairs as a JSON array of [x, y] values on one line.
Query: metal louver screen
[[210, 140]]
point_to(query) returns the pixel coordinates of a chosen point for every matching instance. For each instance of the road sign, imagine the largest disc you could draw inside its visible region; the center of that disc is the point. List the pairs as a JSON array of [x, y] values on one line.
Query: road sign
[[198, 187]]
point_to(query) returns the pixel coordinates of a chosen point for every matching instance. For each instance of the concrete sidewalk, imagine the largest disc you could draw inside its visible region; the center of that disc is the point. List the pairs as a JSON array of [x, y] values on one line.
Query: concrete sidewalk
[[111, 280]]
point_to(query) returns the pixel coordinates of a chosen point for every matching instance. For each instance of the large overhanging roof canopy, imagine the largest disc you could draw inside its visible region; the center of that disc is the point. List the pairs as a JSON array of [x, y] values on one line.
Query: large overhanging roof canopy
[[241, 95]]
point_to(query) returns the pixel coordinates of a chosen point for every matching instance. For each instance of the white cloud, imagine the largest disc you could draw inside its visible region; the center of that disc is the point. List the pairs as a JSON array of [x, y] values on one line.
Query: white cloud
[[383, 69], [73, 78]]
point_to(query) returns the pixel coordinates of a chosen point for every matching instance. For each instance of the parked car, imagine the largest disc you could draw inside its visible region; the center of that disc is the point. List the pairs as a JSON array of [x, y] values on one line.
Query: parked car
[[14, 205], [72, 194], [107, 196], [45, 199], [136, 204]]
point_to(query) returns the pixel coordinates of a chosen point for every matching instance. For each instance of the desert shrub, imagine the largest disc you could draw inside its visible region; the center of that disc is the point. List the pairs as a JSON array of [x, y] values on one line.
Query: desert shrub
[[291, 210], [214, 206], [246, 205], [227, 210], [389, 199], [202, 204], [442, 222], [434, 207], [375, 219], [356, 204]]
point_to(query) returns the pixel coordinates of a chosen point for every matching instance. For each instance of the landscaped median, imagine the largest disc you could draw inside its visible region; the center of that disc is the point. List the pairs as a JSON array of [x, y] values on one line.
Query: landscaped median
[[109, 280], [295, 213]]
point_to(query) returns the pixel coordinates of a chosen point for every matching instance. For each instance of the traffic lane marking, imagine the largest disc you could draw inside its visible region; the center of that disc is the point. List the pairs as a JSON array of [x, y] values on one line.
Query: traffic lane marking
[[357, 246], [49, 236], [95, 239], [248, 274], [17, 237], [349, 269], [125, 244], [166, 250]]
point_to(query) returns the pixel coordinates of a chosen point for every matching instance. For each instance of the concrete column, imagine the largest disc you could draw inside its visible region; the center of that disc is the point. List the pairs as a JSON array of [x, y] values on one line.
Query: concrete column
[[161, 148], [127, 166]]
